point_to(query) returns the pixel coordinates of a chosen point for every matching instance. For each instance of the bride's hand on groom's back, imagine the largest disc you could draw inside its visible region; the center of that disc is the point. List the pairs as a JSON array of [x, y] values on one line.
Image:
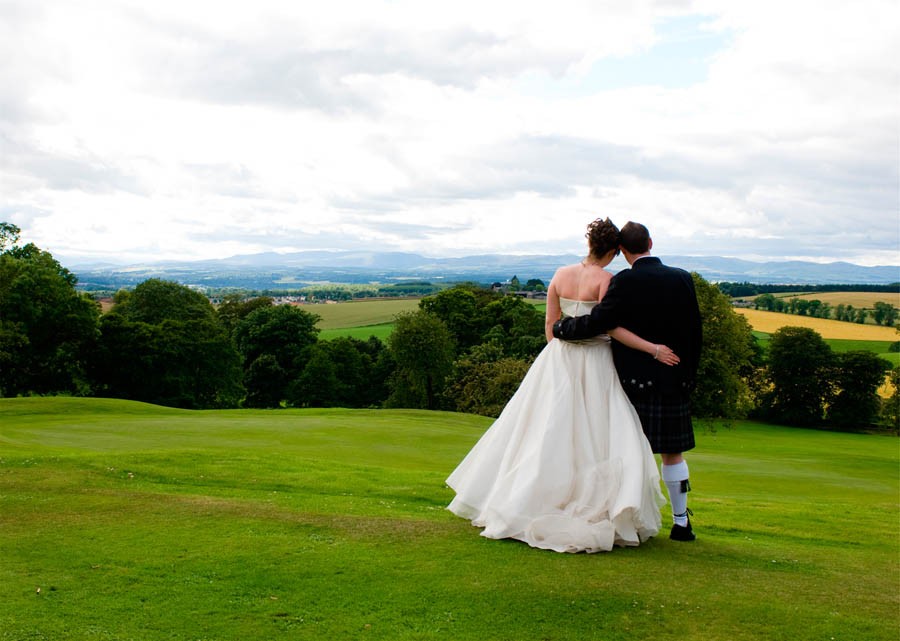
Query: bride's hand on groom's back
[[666, 356]]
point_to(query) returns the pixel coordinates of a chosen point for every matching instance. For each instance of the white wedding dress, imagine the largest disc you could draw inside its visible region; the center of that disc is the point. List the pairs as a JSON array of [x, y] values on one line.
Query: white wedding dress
[[566, 466]]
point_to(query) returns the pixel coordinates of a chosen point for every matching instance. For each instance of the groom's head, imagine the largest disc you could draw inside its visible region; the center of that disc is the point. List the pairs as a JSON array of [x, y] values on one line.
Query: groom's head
[[635, 239]]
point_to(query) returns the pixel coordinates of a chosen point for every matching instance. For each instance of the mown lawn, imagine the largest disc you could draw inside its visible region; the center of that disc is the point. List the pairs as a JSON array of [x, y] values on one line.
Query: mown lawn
[[122, 520]]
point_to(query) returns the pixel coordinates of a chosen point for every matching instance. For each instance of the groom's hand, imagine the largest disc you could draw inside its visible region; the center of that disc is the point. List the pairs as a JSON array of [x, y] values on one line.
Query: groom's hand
[[561, 326]]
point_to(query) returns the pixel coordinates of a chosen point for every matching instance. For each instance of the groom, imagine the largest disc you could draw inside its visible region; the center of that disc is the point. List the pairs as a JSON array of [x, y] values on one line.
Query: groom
[[658, 303]]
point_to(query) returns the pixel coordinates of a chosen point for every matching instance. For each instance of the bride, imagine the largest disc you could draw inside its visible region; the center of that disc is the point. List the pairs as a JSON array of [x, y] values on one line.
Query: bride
[[566, 466]]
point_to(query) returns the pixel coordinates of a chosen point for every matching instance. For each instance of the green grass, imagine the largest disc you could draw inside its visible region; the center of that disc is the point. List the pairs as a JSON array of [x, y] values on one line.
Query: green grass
[[380, 331], [840, 345], [142, 522], [361, 313]]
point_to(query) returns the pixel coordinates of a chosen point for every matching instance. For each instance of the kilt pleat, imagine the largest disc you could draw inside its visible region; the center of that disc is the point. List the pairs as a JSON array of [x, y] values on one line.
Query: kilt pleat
[[666, 419]]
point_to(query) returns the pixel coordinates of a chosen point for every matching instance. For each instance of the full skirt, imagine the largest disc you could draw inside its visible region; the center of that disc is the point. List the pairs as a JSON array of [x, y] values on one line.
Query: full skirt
[[565, 466]]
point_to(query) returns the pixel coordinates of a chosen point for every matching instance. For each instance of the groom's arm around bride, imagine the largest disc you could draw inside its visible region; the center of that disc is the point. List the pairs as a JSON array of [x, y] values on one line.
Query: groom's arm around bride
[[656, 302]]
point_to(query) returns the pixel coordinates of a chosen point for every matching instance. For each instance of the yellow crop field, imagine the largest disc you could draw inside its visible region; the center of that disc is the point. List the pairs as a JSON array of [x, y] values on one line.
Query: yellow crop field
[[769, 322]]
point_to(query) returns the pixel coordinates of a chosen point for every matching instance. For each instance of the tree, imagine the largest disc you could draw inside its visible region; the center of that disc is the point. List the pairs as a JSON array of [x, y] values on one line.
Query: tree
[[890, 412], [234, 308], [128, 360], [156, 300], [265, 382], [764, 301], [483, 381], [800, 368], [728, 357], [162, 343], [858, 375], [475, 315], [884, 313], [48, 329], [458, 308], [514, 324], [423, 349], [9, 236], [282, 332], [342, 372]]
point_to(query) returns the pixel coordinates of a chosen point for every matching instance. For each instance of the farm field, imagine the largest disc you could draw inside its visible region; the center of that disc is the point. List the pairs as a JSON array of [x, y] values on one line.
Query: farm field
[[768, 322], [363, 332], [360, 313], [122, 520]]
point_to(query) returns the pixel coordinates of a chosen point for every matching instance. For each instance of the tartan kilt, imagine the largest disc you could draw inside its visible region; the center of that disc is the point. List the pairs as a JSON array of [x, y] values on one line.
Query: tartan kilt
[[666, 419]]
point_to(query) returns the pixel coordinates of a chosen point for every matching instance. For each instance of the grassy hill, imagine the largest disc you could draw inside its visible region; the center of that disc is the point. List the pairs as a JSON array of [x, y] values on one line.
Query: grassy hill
[[121, 520]]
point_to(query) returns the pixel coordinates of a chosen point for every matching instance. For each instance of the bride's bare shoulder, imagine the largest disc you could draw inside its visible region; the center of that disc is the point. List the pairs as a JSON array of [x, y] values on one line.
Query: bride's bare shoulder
[[565, 272]]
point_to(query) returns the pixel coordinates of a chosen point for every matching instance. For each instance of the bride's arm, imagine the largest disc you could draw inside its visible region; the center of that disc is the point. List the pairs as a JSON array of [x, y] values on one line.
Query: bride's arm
[[553, 312], [659, 352]]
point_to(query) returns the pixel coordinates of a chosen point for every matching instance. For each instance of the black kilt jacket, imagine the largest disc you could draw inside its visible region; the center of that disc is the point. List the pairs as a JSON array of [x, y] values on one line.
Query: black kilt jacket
[[659, 304]]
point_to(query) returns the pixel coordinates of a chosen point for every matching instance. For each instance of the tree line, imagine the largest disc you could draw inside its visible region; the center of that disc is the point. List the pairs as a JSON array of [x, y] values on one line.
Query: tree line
[[882, 313], [745, 289], [466, 349]]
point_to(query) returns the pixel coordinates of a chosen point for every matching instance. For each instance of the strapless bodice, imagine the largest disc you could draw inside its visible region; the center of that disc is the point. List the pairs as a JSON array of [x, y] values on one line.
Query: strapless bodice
[[571, 307]]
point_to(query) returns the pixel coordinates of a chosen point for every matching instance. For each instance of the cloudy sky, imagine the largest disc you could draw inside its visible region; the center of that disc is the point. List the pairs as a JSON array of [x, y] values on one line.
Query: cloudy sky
[[765, 129]]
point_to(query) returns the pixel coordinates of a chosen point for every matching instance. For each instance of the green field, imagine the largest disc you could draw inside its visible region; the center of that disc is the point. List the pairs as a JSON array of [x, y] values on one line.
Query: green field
[[380, 332], [361, 313], [360, 319], [121, 520], [840, 345]]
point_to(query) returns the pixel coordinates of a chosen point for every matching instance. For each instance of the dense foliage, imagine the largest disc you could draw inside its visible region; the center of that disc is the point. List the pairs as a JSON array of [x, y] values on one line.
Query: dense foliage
[[164, 344], [729, 359], [273, 342], [47, 329], [809, 385], [422, 348], [858, 376], [744, 289], [343, 372], [484, 380], [466, 349], [800, 368]]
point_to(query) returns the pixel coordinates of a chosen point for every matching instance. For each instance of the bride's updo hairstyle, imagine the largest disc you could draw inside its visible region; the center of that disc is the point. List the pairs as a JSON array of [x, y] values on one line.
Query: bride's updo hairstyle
[[602, 236]]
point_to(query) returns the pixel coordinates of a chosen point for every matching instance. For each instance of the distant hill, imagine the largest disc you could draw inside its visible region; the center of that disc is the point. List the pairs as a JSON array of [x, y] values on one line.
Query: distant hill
[[294, 270]]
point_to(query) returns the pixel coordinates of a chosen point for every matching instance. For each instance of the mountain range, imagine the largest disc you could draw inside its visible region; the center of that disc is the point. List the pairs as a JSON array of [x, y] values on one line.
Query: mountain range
[[294, 270]]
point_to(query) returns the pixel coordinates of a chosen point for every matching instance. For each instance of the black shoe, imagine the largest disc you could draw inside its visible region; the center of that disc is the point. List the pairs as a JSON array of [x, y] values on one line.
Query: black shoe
[[682, 532]]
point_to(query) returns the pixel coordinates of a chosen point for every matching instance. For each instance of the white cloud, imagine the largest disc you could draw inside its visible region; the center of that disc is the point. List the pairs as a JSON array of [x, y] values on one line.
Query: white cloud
[[204, 129]]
